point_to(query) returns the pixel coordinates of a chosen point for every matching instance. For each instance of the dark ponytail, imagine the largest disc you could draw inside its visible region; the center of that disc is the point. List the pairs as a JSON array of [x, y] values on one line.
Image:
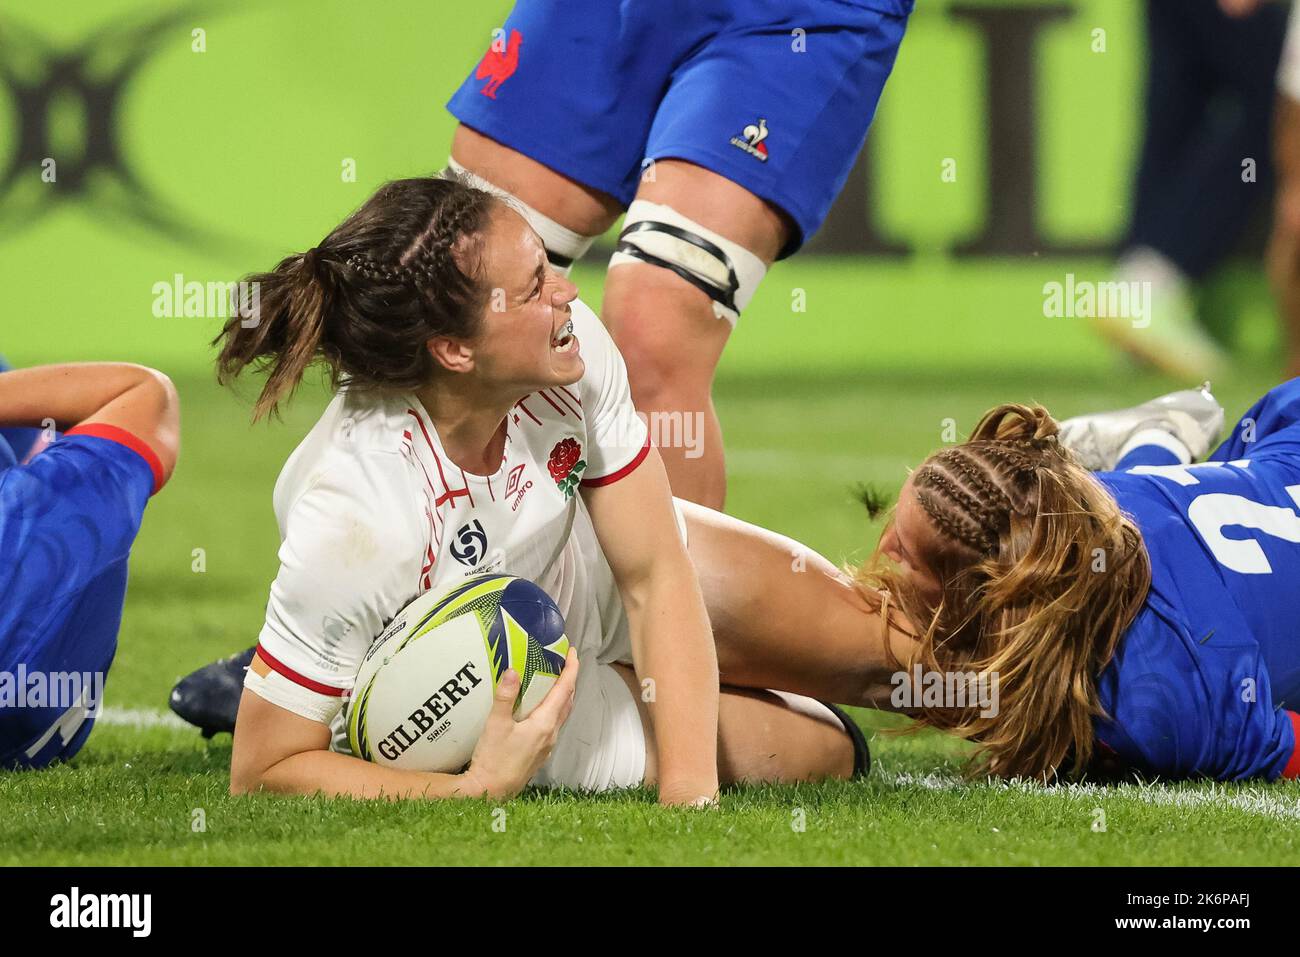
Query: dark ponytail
[[401, 270]]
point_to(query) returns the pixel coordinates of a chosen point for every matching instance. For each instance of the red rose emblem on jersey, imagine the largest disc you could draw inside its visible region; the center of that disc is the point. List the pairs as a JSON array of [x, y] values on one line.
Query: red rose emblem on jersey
[[564, 457], [566, 465]]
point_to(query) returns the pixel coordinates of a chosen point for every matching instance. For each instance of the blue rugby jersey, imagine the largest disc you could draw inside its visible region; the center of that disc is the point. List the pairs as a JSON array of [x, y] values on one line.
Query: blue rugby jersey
[[1206, 680], [68, 519]]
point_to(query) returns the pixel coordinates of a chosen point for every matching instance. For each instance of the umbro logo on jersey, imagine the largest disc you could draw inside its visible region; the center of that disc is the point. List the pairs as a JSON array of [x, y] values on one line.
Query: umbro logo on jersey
[[512, 480], [751, 139], [514, 489], [470, 545]]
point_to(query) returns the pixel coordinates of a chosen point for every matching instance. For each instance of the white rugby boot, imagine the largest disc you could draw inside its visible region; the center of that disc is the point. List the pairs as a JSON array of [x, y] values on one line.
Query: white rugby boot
[[1192, 416]]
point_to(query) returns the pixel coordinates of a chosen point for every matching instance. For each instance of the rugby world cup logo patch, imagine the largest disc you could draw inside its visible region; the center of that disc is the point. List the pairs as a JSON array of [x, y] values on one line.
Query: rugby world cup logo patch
[[470, 544], [566, 465]]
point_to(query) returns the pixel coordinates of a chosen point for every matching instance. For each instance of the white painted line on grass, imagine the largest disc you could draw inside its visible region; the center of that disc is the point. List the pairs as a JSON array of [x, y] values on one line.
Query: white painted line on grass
[[1209, 794], [141, 718]]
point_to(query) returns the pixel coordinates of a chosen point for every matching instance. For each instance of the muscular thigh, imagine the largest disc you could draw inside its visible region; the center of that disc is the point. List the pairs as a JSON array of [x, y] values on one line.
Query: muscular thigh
[[779, 737], [651, 310], [785, 617], [573, 205]]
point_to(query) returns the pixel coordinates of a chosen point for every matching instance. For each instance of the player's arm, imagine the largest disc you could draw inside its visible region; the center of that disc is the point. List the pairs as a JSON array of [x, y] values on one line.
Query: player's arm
[[279, 751], [133, 398], [282, 752], [282, 732], [672, 642]]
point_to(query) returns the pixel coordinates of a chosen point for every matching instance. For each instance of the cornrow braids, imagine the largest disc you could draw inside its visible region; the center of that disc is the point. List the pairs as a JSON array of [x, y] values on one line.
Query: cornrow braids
[[938, 478], [374, 271], [987, 491], [956, 525], [956, 511], [1010, 482], [457, 217], [1018, 456]]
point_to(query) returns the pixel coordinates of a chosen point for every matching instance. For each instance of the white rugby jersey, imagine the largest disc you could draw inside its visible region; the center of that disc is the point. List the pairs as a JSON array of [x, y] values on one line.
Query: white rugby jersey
[[373, 513]]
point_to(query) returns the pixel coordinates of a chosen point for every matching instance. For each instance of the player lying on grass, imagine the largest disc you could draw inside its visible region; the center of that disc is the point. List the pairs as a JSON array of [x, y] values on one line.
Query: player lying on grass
[[68, 517], [1143, 619], [485, 425]]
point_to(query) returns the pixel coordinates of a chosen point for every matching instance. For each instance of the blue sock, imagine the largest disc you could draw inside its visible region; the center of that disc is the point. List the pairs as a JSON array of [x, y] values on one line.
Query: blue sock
[[1147, 455]]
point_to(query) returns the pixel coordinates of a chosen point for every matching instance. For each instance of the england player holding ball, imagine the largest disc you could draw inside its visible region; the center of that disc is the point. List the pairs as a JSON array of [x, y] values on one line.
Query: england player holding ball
[[484, 424]]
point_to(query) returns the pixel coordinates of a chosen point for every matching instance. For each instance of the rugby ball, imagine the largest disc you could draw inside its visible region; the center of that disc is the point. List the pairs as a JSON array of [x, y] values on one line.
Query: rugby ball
[[425, 687]]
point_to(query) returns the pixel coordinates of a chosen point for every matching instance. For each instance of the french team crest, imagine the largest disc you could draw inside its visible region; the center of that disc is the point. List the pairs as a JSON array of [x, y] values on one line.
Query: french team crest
[[566, 465], [751, 139]]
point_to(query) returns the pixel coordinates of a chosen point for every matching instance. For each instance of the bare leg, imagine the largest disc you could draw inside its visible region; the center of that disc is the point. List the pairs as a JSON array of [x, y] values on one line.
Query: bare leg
[[785, 617], [1284, 245], [571, 204], [666, 329], [671, 340], [765, 737]]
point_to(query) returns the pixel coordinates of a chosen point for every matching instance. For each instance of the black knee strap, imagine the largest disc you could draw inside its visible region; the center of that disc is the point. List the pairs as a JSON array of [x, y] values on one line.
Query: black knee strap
[[727, 296], [861, 753]]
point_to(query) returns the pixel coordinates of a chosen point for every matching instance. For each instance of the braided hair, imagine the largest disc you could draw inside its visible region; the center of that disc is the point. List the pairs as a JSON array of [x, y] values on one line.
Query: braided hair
[[1041, 573], [971, 491], [401, 270]]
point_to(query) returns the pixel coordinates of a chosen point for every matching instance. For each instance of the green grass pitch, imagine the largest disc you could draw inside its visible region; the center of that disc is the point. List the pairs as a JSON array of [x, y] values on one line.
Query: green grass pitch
[[856, 388], [247, 140]]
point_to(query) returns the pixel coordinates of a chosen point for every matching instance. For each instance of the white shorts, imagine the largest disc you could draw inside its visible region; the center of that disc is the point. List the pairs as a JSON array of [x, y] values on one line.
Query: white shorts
[[602, 746], [1288, 71]]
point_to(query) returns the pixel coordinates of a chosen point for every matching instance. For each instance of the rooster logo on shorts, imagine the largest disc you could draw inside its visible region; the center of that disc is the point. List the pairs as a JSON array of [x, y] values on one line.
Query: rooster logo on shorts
[[499, 63], [751, 139]]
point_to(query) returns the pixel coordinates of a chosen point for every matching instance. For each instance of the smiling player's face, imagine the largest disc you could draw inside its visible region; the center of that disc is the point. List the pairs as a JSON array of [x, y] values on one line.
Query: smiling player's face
[[526, 340]]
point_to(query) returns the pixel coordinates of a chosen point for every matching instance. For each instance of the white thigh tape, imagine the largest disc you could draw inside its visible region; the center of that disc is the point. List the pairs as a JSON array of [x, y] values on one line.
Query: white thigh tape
[[731, 277], [564, 247], [279, 690]]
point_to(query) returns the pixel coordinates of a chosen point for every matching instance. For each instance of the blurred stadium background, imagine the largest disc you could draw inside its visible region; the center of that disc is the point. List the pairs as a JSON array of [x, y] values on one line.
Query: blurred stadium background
[[924, 298]]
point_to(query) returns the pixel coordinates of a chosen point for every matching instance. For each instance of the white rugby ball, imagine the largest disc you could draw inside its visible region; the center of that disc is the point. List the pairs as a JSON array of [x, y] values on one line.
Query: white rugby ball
[[425, 687]]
